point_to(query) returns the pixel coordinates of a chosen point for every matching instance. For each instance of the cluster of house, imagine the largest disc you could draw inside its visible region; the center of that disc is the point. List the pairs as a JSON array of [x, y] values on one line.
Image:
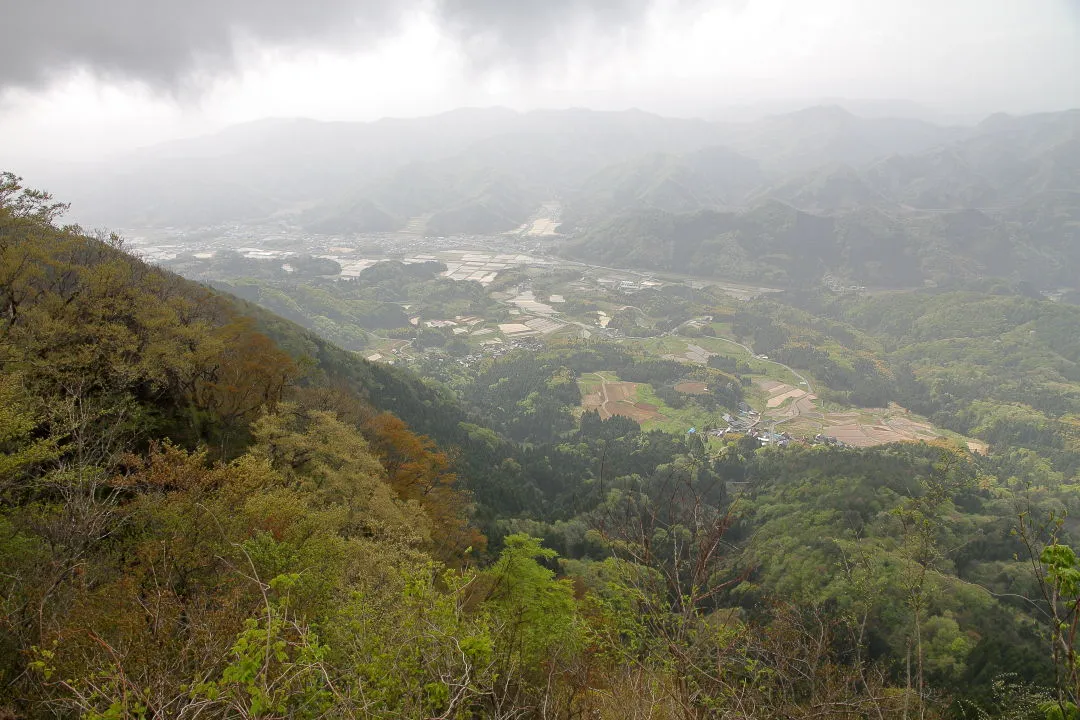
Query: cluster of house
[[768, 437], [747, 426], [746, 422], [838, 286], [500, 349], [626, 286]]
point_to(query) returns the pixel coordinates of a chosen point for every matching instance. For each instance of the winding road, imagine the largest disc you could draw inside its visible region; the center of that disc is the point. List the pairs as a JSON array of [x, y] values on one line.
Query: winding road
[[802, 378]]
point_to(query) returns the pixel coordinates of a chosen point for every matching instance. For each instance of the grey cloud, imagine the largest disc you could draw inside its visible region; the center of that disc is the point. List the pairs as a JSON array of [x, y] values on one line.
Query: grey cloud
[[166, 43], [515, 29]]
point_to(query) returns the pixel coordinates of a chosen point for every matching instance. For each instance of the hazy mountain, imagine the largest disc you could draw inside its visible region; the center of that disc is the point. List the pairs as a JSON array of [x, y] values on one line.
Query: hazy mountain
[[1005, 161], [1000, 199], [827, 188], [497, 182], [707, 178], [454, 195], [360, 216], [816, 136], [784, 199], [776, 243], [286, 165], [862, 107]]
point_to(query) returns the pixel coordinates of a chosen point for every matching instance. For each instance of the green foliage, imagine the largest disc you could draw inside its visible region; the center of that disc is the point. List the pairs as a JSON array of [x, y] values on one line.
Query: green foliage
[[19, 418], [276, 667], [536, 610]]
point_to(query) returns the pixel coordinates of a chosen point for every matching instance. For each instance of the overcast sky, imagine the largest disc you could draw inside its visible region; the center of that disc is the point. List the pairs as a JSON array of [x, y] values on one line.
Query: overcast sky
[[79, 79]]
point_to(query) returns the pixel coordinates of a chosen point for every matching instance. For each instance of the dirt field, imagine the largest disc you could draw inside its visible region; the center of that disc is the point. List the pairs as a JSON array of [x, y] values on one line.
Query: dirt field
[[779, 393], [692, 388], [861, 435], [803, 417], [543, 227], [617, 398], [770, 386], [639, 412], [620, 391], [778, 400]]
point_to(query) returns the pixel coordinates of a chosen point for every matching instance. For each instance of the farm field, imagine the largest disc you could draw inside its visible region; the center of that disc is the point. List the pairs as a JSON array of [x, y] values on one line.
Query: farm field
[[789, 407], [613, 397], [796, 412], [608, 395]]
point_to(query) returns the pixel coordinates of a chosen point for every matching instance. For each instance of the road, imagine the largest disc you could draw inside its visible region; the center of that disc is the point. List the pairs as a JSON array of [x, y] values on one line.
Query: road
[[750, 352], [796, 373], [603, 395]]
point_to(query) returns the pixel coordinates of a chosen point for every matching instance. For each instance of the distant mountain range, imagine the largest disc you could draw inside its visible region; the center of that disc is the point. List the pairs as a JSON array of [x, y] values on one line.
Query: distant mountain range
[[998, 199], [892, 201]]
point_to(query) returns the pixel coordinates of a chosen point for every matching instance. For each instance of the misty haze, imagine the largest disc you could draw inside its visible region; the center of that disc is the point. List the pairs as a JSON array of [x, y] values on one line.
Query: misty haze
[[569, 359]]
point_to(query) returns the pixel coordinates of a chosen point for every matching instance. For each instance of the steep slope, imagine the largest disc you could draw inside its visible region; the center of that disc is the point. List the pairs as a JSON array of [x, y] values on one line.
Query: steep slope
[[196, 366], [203, 512]]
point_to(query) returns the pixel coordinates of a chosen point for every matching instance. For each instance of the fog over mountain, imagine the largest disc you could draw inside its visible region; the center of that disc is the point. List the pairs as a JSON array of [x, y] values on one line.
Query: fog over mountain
[[80, 80]]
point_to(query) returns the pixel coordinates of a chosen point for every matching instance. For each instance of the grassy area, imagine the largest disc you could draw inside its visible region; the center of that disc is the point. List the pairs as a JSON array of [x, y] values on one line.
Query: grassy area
[[755, 397], [666, 345], [730, 348], [676, 420], [722, 329], [589, 383]]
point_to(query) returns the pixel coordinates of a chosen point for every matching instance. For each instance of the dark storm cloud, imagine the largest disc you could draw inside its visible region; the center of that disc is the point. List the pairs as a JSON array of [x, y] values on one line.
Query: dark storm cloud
[[165, 43]]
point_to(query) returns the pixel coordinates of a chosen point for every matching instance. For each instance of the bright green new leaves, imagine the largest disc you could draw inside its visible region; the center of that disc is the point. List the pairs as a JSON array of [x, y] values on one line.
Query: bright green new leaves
[[19, 417], [276, 668], [1061, 566], [536, 610]]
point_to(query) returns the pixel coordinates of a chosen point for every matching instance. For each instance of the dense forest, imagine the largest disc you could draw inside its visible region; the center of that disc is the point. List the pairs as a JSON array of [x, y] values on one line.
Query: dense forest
[[208, 511], [990, 359]]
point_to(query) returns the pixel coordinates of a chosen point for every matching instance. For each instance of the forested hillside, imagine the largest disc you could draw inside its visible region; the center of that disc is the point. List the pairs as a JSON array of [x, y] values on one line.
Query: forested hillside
[[206, 510]]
